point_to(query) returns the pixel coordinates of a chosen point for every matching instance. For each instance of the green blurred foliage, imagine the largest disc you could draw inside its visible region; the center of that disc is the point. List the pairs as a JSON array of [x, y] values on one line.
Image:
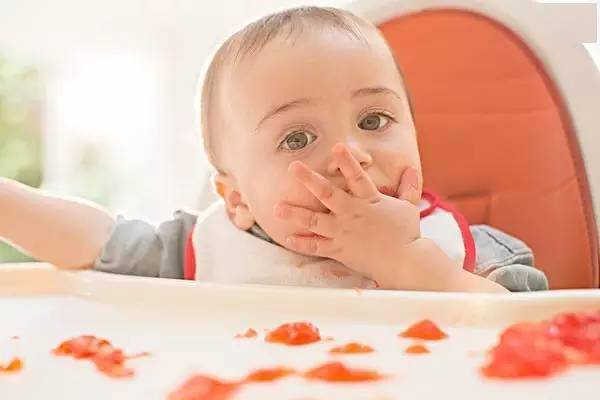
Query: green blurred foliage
[[20, 131]]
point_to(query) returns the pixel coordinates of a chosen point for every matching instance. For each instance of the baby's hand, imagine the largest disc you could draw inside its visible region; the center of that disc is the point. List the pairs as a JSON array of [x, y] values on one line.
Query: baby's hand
[[364, 230]]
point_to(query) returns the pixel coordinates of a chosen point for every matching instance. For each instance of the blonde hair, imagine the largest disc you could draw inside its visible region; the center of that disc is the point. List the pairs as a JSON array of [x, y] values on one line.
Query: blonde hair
[[253, 38]]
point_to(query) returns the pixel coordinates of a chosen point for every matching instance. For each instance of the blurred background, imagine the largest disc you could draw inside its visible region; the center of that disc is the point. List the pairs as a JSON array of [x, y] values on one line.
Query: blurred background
[[97, 97]]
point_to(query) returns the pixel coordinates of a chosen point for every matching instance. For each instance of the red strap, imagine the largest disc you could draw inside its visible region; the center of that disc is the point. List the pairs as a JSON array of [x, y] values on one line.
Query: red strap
[[434, 202], [189, 261], [463, 224]]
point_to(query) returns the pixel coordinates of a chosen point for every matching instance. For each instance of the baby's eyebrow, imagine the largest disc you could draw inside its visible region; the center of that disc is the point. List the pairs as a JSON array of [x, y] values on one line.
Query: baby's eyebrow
[[283, 108], [375, 90]]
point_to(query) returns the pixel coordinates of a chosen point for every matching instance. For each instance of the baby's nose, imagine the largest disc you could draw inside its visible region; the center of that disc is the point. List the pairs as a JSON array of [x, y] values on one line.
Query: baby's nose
[[358, 152]]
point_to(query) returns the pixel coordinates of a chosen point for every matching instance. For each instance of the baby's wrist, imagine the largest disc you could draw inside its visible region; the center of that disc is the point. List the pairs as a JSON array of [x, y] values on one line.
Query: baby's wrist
[[409, 267], [423, 265], [440, 273], [465, 281]]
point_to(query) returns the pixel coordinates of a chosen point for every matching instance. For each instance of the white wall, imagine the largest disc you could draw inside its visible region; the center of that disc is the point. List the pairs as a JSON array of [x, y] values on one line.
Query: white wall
[[122, 74]]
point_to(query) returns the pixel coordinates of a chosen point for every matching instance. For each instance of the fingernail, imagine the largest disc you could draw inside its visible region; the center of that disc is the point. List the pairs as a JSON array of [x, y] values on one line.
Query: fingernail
[[293, 166], [300, 171], [411, 177], [338, 148], [403, 190]]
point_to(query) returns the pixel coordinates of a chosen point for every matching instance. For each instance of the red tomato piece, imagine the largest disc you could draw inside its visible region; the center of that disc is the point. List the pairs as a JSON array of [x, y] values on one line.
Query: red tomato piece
[[416, 349], [199, 387], [269, 374], [338, 372], [527, 350], [424, 330], [81, 347], [111, 362], [108, 359], [352, 348], [294, 334], [250, 333], [526, 357], [580, 333], [15, 365]]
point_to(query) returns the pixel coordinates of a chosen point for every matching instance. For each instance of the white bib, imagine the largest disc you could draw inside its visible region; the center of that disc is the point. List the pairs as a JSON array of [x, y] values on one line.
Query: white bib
[[225, 254]]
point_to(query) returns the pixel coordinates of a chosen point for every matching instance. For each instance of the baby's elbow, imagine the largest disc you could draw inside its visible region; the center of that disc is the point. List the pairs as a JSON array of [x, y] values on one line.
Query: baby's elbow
[[84, 253]]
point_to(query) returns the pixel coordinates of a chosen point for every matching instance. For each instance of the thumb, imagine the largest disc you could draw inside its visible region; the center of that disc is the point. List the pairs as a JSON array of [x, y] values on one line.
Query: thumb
[[409, 186]]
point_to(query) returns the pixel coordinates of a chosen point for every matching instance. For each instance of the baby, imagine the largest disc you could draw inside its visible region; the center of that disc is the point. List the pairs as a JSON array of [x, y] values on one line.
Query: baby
[[307, 121]]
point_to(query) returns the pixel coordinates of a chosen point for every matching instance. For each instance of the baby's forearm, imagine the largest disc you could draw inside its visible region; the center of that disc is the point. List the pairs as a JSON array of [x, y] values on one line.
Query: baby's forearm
[[468, 282], [66, 233], [424, 266]]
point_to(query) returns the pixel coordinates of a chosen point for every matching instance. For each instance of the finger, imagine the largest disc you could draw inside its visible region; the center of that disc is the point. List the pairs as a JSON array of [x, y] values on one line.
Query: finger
[[359, 182], [332, 197], [320, 223], [409, 186], [311, 245]]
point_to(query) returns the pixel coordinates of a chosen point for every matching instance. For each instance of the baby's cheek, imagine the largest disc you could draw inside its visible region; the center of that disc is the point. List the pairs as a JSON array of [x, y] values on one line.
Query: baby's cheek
[[288, 192], [267, 192], [394, 163]]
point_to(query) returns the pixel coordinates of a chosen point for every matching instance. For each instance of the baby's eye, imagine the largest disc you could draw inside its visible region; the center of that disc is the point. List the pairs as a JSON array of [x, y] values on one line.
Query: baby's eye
[[373, 122], [297, 141]]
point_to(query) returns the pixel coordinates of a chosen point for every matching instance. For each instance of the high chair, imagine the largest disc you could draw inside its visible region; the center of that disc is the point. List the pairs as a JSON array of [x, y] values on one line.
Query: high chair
[[507, 108]]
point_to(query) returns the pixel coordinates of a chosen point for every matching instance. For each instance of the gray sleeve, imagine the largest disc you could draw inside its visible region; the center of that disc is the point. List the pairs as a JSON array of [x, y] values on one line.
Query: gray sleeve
[[506, 260], [519, 278], [136, 247]]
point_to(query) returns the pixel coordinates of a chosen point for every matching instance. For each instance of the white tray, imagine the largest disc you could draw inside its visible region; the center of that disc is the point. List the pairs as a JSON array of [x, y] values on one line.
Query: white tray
[[188, 327]]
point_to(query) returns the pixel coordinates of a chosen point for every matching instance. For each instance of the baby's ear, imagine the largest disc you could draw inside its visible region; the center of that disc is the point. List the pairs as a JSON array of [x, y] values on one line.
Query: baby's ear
[[237, 210]]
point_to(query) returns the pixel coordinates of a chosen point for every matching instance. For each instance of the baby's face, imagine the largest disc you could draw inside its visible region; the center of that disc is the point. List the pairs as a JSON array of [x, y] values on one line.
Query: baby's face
[[295, 102]]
